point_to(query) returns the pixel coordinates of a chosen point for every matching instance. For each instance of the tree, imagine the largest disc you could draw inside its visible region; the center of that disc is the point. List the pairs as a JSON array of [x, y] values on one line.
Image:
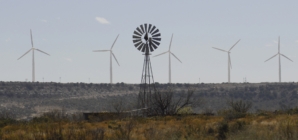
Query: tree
[[168, 103]]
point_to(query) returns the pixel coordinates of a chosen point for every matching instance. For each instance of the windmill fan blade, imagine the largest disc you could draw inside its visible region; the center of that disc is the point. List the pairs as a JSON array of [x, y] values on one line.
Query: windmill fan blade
[[157, 35], [271, 57], [157, 43], [101, 50], [31, 38], [234, 45], [115, 59], [286, 57], [24, 54], [230, 61], [149, 27], [141, 47], [152, 29], [42, 51], [136, 33], [114, 41], [139, 30], [137, 44], [219, 49], [151, 48], [136, 37], [160, 54], [142, 28], [159, 39], [155, 31], [146, 28], [175, 57], [136, 40], [153, 45]]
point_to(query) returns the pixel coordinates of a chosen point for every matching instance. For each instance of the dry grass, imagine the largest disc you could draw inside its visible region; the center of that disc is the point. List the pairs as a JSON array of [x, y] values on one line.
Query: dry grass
[[157, 128]]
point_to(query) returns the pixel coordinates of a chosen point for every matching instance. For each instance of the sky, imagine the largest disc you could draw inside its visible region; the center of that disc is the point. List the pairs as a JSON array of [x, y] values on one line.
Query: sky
[[70, 30]]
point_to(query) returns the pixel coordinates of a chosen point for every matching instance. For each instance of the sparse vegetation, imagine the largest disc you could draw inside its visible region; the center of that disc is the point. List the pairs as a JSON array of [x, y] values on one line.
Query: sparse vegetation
[[53, 126]]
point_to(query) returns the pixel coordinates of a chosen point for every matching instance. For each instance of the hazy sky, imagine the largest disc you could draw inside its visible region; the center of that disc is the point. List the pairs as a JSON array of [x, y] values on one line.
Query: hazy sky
[[71, 30]]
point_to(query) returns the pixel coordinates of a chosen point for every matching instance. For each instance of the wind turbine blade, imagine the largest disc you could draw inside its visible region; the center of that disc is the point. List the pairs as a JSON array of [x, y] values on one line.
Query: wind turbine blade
[[176, 57], [31, 38], [286, 57], [42, 51], [24, 54], [278, 44], [171, 42], [234, 45], [101, 50], [271, 57], [230, 61], [219, 49], [161, 54], [114, 42], [115, 59]]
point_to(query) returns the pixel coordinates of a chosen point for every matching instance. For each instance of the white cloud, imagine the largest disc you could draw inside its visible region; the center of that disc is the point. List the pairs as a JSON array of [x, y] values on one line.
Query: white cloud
[[43, 20], [102, 20]]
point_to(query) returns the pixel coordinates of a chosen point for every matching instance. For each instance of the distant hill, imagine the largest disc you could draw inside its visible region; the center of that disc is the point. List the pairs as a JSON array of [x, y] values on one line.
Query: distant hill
[[26, 99]]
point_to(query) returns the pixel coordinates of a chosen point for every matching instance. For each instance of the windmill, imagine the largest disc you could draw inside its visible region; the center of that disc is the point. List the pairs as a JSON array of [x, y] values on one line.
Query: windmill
[[33, 63], [146, 39], [111, 55], [229, 58], [170, 53], [279, 63]]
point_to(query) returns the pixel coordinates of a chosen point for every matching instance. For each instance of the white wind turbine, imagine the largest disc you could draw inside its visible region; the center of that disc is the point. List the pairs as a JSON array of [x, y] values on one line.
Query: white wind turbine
[[229, 58], [279, 54], [33, 63], [111, 54], [170, 53]]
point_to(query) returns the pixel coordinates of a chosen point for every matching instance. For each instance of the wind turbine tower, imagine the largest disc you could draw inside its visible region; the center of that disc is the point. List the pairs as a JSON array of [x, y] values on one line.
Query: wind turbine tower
[[111, 55], [279, 63], [33, 62], [229, 59], [170, 53]]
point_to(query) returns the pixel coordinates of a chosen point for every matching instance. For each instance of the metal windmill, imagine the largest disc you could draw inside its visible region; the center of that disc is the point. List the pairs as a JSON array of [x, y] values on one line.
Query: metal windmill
[[170, 53], [229, 59], [33, 62], [146, 38], [279, 63]]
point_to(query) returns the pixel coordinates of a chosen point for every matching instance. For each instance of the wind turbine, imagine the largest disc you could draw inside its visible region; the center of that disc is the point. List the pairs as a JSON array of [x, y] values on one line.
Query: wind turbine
[[33, 63], [170, 53], [111, 54], [279, 54], [229, 58]]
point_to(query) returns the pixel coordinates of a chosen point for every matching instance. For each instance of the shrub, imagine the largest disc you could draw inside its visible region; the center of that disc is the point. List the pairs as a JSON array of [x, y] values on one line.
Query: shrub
[[239, 106]]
